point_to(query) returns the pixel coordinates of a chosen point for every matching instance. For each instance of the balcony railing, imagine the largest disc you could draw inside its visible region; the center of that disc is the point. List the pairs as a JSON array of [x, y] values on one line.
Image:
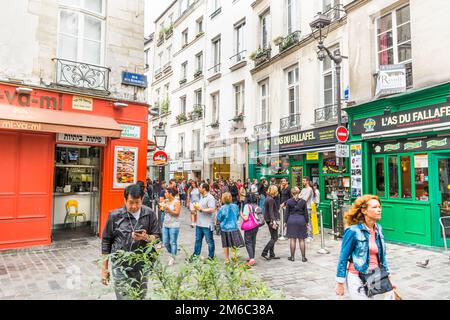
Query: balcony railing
[[336, 12], [167, 66], [180, 155], [168, 33], [239, 57], [194, 154], [328, 113], [262, 129], [82, 75], [291, 122], [215, 69], [288, 41], [160, 40], [262, 56]]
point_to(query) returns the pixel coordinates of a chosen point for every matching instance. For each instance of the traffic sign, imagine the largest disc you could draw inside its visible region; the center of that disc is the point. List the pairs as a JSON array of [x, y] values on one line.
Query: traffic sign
[[342, 134], [342, 151]]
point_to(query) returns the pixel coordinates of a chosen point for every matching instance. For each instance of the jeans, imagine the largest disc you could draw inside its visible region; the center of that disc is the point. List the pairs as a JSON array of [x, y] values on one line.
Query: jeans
[[262, 199], [170, 239], [250, 242], [273, 238], [124, 283], [208, 234]]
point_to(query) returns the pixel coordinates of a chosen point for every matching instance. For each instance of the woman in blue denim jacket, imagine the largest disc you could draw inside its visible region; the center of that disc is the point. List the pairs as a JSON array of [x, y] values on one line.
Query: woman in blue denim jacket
[[228, 216], [362, 245]]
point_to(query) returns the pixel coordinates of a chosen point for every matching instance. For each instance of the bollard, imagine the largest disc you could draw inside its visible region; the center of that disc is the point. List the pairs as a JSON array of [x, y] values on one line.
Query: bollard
[[322, 249], [283, 236]]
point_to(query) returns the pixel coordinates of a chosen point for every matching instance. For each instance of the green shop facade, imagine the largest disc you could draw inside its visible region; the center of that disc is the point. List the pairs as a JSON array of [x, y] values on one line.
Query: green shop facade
[[400, 151], [304, 153]]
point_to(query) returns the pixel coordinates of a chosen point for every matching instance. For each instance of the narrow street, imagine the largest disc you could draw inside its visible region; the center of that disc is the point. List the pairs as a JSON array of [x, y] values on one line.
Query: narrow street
[[71, 270]]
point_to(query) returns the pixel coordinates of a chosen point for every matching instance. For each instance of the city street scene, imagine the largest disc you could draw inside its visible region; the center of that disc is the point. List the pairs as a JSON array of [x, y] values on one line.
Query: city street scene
[[225, 150]]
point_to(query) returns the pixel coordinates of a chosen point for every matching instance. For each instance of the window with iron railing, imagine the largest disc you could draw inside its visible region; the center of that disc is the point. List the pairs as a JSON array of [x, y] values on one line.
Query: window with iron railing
[[290, 122]]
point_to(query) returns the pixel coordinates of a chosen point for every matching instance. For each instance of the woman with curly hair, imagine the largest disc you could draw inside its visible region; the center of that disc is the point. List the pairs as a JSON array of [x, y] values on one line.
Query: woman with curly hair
[[363, 248]]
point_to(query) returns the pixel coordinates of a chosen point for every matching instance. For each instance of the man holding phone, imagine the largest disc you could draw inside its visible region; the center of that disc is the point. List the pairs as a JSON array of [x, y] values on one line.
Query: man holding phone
[[128, 229]]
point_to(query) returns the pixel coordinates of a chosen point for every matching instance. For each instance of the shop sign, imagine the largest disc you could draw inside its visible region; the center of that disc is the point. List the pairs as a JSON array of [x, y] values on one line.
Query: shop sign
[[391, 79], [36, 99], [342, 150], [125, 166], [19, 125], [134, 79], [175, 166], [298, 140], [129, 131], [160, 158], [429, 115], [82, 103], [407, 146], [312, 156], [356, 170], [78, 138]]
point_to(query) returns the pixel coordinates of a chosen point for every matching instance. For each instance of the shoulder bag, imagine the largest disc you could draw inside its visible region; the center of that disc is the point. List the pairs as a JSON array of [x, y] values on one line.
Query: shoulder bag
[[250, 223]]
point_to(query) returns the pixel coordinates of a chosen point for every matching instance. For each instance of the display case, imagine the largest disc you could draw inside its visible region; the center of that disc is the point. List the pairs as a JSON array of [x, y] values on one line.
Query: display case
[[332, 187]]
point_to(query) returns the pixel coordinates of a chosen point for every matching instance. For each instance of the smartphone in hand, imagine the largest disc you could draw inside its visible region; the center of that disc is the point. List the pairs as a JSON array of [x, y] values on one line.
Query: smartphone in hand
[[140, 231]]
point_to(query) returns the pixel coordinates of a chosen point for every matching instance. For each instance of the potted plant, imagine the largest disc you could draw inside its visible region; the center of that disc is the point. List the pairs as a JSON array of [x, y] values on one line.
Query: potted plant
[[278, 40], [239, 117], [215, 124], [198, 73], [198, 111], [164, 106], [181, 118]]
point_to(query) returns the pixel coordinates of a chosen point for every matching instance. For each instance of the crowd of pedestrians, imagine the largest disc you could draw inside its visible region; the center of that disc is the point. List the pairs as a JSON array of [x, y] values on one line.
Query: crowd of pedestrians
[[229, 207]]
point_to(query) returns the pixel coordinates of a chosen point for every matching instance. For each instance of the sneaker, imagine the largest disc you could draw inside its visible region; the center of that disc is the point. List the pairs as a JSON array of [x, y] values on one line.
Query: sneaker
[[251, 262]]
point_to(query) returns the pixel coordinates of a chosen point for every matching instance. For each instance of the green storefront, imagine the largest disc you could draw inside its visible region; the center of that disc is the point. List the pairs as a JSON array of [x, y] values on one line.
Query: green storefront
[[295, 155], [402, 146]]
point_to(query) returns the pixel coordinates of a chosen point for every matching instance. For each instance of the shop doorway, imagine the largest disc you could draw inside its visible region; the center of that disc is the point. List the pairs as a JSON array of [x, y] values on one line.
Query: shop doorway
[[441, 201], [76, 197], [313, 172]]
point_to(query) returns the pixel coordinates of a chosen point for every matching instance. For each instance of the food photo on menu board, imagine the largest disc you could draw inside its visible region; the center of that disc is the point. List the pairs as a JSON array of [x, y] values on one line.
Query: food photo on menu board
[[125, 166]]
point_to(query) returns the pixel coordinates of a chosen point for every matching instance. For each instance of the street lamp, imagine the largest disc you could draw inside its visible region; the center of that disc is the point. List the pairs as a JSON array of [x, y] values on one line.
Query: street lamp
[[320, 28], [160, 137]]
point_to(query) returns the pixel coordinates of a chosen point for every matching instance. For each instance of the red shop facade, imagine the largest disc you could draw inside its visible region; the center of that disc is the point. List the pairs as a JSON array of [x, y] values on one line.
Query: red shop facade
[[65, 160]]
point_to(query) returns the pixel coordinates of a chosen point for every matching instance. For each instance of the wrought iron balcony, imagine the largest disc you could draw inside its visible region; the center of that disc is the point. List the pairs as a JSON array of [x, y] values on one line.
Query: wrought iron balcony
[[336, 12], [262, 129], [194, 154], [288, 41], [239, 57], [82, 75], [291, 122], [328, 113]]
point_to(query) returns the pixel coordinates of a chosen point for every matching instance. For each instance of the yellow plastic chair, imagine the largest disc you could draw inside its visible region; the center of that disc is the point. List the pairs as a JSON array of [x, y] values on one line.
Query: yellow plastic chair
[[69, 214]]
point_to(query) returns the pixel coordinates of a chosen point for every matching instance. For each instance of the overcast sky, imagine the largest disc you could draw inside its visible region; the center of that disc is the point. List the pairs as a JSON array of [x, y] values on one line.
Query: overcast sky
[[153, 9]]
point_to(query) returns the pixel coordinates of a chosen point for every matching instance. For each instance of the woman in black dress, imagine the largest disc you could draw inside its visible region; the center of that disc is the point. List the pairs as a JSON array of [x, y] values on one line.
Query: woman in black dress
[[296, 219]]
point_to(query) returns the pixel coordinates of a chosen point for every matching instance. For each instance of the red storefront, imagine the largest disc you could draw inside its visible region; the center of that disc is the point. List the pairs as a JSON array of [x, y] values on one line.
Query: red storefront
[[60, 151]]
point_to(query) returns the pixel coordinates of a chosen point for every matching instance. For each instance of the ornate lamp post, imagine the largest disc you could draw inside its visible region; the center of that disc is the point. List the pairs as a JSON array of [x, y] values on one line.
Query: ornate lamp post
[[320, 28]]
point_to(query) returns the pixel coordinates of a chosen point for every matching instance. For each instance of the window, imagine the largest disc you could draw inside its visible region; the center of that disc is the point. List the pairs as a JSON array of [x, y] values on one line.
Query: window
[[157, 94], [171, 19], [216, 55], [169, 54], [393, 176], [379, 169], [146, 54], [184, 38], [328, 6], [328, 83], [394, 40], [200, 25], [264, 100], [81, 31], [293, 90], [181, 143], [265, 30], [239, 41], [166, 89], [183, 105], [405, 165], [198, 97], [292, 16], [160, 60], [215, 107], [184, 70], [199, 61], [216, 4], [239, 98], [421, 177], [196, 141], [184, 4]]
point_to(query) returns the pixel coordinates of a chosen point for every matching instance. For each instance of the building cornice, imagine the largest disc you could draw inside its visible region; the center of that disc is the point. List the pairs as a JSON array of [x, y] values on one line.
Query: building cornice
[[356, 4], [165, 11]]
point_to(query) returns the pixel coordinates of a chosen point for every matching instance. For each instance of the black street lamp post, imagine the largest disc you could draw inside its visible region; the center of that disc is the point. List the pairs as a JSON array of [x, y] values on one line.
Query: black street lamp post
[[320, 27]]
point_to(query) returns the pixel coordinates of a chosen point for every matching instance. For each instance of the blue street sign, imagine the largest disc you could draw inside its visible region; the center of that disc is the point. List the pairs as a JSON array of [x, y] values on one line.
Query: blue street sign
[[134, 79], [347, 93]]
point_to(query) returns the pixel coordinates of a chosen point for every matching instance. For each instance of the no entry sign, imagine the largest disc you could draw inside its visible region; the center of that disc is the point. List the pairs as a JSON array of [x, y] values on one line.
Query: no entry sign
[[341, 134]]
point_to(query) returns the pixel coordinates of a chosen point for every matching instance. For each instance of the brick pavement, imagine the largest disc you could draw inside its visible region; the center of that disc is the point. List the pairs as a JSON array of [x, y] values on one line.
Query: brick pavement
[[71, 269]]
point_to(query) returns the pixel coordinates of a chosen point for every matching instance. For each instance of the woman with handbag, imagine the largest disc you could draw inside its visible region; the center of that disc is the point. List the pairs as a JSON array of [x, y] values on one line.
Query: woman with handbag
[[231, 236], [362, 262], [250, 226], [296, 221]]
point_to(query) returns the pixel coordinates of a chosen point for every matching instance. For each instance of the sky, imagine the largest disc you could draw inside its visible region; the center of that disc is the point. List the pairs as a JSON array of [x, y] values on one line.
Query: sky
[[153, 9]]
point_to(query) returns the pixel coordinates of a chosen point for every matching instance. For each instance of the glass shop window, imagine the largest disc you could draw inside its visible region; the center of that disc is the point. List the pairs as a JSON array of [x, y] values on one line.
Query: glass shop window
[[421, 177], [393, 176], [379, 173], [330, 164], [405, 163]]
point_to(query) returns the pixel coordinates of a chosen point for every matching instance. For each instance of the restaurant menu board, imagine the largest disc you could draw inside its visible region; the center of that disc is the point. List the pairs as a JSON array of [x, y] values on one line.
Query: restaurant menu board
[[125, 166], [356, 170]]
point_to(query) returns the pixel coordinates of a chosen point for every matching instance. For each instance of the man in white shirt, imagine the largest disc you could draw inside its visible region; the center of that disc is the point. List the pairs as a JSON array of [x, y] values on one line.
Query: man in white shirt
[[307, 194]]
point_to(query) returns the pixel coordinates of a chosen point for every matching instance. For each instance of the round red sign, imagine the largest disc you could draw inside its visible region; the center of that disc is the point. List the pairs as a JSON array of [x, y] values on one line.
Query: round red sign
[[341, 134], [160, 158]]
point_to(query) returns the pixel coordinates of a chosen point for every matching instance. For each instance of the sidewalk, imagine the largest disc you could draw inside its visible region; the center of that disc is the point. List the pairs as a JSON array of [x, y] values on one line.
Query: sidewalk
[[71, 269]]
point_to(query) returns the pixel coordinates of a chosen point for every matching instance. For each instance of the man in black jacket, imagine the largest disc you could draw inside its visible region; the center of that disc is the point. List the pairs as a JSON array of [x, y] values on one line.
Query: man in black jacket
[[129, 228]]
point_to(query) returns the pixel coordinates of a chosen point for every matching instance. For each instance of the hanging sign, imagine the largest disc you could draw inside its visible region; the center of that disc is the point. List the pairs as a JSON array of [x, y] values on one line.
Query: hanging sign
[[407, 146], [312, 156], [391, 79], [160, 158]]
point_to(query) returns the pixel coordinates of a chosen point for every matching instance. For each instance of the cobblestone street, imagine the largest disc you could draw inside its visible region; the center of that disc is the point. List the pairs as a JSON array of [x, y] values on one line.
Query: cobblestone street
[[71, 270]]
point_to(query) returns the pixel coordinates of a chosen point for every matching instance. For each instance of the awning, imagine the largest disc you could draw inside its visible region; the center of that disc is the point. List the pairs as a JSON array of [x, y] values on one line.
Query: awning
[[44, 120]]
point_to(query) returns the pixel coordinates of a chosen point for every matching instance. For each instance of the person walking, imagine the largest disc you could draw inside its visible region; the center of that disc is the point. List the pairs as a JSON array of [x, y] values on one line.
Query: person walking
[[205, 221], [271, 216], [171, 224], [128, 229], [182, 192], [363, 248], [162, 199], [296, 220], [230, 234], [146, 199], [243, 195], [234, 193], [262, 191], [193, 197], [307, 194], [250, 235]]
